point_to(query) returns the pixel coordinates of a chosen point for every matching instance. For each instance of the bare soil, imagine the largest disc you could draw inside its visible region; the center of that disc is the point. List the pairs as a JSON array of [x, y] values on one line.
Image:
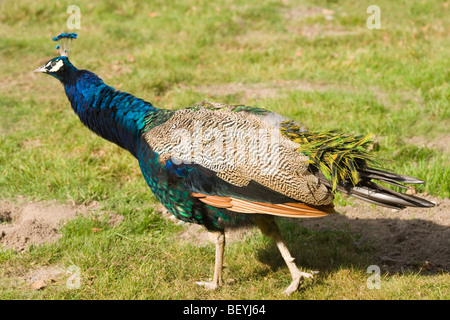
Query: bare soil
[[416, 239], [34, 222], [412, 238], [266, 90], [441, 143]]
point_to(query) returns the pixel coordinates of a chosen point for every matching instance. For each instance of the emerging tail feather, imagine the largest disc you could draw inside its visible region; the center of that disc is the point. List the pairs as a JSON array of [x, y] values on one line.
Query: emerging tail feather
[[389, 176], [343, 163], [372, 192]]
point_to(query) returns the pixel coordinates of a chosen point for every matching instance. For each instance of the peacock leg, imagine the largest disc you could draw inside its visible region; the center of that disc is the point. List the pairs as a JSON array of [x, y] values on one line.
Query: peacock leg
[[269, 227], [217, 280]]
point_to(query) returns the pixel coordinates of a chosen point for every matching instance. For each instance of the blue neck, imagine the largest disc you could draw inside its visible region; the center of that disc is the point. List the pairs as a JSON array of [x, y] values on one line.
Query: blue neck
[[114, 115]]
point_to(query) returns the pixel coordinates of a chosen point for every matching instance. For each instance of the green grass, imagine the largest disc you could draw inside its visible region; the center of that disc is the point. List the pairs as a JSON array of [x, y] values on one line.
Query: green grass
[[392, 82]]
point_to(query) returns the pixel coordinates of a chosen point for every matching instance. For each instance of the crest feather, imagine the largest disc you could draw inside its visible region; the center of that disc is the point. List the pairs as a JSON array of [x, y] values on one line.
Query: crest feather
[[66, 41]]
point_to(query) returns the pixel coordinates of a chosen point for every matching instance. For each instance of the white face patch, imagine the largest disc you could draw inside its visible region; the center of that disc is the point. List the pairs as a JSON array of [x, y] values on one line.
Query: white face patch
[[56, 67]]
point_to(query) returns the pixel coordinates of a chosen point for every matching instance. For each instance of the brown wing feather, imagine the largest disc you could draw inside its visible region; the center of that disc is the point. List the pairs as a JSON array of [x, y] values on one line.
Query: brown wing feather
[[292, 210]]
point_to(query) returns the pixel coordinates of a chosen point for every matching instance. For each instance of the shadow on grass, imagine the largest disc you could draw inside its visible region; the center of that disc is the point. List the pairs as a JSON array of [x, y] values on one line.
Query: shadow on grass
[[333, 242]]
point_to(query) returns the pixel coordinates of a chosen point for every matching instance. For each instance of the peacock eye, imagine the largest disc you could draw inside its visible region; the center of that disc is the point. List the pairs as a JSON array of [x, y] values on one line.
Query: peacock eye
[[53, 63]]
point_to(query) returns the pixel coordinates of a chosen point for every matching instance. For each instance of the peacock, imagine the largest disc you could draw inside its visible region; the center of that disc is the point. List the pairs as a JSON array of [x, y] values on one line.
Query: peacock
[[227, 166]]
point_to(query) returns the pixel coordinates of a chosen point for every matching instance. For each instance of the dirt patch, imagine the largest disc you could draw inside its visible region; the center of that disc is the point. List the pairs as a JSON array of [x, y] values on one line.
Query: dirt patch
[[441, 143], [37, 222], [33, 277], [410, 239], [266, 90], [42, 277], [197, 234], [319, 31], [301, 12], [298, 24], [246, 91]]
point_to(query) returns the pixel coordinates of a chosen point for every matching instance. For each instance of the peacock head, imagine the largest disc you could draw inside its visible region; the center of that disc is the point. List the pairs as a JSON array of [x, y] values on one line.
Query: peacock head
[[60, 67]]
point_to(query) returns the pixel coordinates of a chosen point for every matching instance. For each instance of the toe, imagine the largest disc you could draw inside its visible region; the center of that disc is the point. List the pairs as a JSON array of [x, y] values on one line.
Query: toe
[[207, 285]]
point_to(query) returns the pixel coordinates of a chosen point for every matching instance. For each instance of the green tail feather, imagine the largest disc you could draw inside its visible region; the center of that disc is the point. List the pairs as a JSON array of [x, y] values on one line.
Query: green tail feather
[[338, 156]]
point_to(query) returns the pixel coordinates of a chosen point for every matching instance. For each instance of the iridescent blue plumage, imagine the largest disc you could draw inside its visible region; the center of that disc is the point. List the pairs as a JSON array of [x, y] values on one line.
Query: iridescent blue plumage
[[114, 115], [66, 39], [122, 118], [65, 35]]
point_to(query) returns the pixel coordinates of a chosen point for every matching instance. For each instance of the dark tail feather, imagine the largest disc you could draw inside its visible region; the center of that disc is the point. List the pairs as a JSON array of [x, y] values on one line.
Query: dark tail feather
[[388, 176], [374, 193]]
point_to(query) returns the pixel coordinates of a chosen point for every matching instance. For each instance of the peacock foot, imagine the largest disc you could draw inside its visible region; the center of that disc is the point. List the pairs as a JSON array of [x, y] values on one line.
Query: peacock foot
[[297, 280], [210, 285]]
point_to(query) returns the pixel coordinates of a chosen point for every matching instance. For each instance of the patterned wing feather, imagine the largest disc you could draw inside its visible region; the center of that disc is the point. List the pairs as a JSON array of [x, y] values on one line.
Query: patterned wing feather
[[240, 147]]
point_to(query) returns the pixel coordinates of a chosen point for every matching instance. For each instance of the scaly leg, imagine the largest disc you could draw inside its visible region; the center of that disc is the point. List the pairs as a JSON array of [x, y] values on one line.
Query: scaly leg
[[217, 280], [269, 227]]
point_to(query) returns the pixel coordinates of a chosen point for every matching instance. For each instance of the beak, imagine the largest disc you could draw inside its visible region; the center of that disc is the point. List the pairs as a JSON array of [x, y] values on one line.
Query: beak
[[41, 69]]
